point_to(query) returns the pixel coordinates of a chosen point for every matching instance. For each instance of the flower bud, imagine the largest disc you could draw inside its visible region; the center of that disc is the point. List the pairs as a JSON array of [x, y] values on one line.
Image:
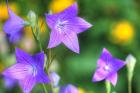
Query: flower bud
[[32, 18], [131, 62]]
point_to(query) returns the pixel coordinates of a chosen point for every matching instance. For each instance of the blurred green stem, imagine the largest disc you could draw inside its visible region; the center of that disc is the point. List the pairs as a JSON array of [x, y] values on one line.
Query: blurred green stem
[[108, 87], [129, 86], [36, 39], [49, 62], [40, 47]]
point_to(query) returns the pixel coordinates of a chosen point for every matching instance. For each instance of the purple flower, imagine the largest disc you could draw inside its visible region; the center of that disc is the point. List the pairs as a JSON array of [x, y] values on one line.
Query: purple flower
[[68, 89], [13, 27], [28, 70], [107, 67], [9, 82], [65, 26]]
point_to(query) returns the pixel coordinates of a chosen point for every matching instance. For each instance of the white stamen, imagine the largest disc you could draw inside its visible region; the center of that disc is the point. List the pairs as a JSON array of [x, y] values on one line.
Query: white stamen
[[106, 67], [60, 25], [33, 70]]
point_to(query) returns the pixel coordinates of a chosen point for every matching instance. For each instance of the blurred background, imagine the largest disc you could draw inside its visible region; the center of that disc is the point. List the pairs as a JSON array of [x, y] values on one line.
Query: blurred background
[[116, 26]]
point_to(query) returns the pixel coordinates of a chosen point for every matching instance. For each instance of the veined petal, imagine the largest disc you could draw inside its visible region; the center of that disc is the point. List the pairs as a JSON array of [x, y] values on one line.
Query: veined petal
[[39, 59], [106, 56], [69, 12], [71, 41], [113, 78], [78, 25], [51, 19], [100, 74], [117, 64], [23, 57], [42, 77], [18, 71], [27, 84], [55, 39]]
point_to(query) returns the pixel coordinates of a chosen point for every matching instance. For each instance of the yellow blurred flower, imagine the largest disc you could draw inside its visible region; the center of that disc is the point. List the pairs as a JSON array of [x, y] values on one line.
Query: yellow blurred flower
[[80, 90], [122, 32], [59, 5], [4, 12], [42, 25]]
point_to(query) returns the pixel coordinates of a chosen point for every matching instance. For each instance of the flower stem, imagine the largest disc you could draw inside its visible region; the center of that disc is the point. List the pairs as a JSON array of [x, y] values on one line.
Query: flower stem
[[48, 66], [108, 87], [40, 47], [36, 39], [45, 90], [129, 86]]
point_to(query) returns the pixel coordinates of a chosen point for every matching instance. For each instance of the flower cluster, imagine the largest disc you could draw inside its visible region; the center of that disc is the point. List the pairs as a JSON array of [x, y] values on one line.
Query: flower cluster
[[65, 26]]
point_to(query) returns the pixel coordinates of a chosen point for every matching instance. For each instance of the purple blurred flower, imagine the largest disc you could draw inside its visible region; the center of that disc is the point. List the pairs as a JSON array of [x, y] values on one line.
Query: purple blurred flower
[[68, 89], [28, 70], [107, 67], [65, 26], [55, 78], [9, 82], [13, 27]]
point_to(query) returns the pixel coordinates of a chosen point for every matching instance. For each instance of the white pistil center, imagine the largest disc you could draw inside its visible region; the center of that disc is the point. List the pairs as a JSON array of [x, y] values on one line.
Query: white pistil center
[[106, 67], [33, 70], [60, 25]]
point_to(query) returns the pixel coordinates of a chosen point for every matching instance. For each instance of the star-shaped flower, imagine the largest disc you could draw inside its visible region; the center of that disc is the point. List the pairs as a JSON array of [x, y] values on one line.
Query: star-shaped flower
[[68, 89], [13, 27], [28, 70], [65, 26], [107, 68]]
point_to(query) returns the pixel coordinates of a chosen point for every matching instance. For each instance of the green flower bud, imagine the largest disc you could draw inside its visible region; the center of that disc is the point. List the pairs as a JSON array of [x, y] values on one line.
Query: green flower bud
[[32, 18], [131, 62]]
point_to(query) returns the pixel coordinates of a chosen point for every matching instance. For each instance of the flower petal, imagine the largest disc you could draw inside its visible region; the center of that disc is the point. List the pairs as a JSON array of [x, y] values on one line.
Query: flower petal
[[100, 74], [13, 24], [51, 19], [69, 12], [105, 56], [42, 77], [23, 57], [17, 71], [117, 64], [78, 25], [55, 39], [68, 89], [15, 37], [27, 84], [71, 41], [39, 59], [113, 78]]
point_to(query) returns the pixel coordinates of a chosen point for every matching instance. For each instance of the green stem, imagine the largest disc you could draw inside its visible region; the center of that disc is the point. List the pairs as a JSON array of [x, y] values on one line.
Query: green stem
[[45, 90], [36, 39], [108, 87], [129, 85], [40, 47], [48, 66]]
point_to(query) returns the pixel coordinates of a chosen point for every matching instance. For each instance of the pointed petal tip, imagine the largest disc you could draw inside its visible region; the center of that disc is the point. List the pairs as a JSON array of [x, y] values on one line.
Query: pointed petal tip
[[50, 46], [94, 80], [113, 83], [104, 49], [77, 51]]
